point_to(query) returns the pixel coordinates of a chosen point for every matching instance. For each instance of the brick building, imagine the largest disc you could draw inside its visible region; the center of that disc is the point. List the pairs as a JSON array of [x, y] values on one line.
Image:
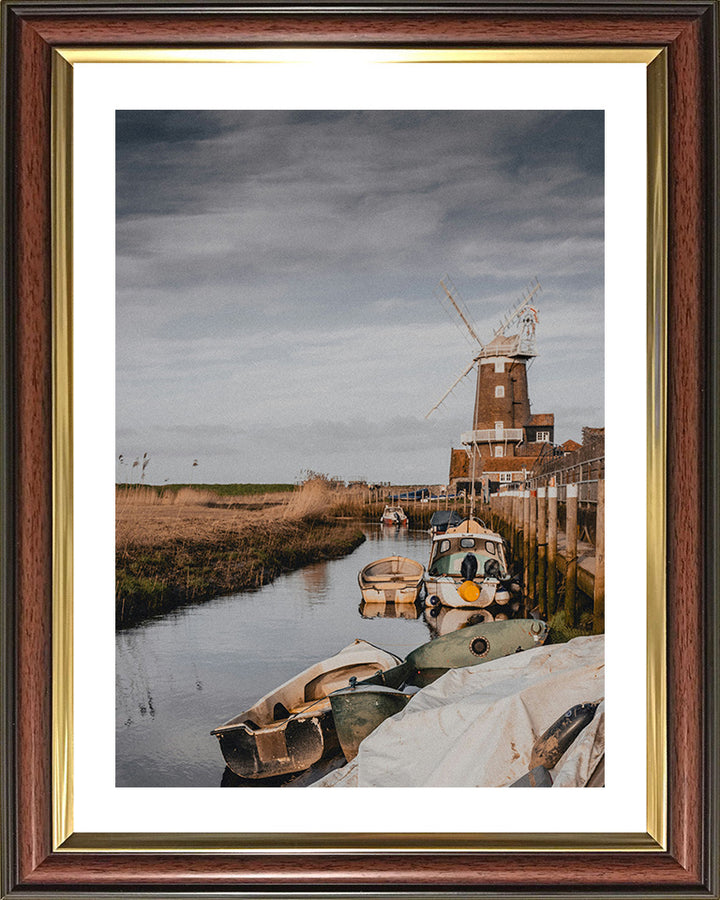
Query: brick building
[[506, 439]]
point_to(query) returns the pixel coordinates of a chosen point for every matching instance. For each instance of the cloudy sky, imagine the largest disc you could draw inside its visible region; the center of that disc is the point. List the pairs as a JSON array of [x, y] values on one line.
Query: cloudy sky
[[277, 283]]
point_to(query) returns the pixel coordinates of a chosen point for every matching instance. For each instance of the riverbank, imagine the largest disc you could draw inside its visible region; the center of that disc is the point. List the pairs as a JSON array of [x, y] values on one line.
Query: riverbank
[[193, 545]]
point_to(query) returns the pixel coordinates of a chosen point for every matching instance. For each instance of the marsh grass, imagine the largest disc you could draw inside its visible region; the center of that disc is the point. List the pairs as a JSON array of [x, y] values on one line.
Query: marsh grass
[[560, 631], [184, 547]]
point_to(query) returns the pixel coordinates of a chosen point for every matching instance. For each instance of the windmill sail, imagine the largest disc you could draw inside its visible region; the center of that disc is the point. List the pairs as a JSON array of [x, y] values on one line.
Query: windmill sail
[[521, 344]]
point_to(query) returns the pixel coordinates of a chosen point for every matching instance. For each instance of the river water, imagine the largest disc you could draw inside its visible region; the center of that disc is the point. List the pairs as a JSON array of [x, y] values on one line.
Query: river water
[[181, 675]]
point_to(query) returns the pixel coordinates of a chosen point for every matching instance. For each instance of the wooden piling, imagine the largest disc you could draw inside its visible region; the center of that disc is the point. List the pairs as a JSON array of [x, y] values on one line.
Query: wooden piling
[[571, 536], [599, 587], [552, 551], [532, 547], [526, 538], [542, 551]]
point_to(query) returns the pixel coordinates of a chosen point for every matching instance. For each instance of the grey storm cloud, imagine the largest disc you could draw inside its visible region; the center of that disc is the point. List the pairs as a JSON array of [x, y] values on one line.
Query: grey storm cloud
[[277, 276]]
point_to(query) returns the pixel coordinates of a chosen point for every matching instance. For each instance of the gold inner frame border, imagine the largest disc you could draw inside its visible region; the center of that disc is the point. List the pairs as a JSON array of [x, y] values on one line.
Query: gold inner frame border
[[64, 837]]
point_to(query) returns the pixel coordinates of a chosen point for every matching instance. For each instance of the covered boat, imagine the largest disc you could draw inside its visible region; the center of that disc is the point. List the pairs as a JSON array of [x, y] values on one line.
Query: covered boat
[[394, 516], [393, 579], [292, 727], [468, 568], [478, 726], [360, 707], [443, 519]]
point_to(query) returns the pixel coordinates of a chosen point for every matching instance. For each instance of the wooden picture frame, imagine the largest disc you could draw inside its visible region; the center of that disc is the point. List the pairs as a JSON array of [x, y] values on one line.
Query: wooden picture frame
[[686, 864]]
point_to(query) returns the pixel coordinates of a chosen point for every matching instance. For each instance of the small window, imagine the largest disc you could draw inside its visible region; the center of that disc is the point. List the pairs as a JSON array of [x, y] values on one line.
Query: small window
[[499, 390], [490, 548], [499, 450], [444, 546], [505, 477], [467, 543], [499, 365], [542, 436]]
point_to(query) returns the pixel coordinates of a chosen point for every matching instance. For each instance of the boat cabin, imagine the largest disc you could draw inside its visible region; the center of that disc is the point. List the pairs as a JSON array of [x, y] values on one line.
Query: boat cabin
[[449, 550]]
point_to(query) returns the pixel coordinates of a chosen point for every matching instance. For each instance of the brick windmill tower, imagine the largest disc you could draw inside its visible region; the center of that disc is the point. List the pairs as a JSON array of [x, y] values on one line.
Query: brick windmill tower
[[502, 422]]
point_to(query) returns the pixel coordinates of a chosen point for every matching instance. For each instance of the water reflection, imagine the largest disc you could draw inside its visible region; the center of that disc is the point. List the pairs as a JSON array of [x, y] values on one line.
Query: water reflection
[[389, 610], [315, 579], [392, 533], [444, 619]]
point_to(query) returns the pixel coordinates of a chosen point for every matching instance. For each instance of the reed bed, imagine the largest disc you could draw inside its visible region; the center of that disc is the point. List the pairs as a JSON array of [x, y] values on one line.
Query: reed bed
[[183, 548]]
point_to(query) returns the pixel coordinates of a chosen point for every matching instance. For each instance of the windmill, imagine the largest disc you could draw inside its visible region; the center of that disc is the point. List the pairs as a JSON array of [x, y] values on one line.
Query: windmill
[[501, 397]]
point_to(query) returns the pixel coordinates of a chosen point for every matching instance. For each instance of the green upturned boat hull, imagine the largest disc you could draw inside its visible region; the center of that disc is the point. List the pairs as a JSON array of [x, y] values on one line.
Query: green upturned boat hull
[[359, 708], [467, 647]]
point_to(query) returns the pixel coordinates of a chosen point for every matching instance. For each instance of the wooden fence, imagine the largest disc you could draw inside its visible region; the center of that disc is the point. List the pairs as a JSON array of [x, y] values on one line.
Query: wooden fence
[[529, 519]]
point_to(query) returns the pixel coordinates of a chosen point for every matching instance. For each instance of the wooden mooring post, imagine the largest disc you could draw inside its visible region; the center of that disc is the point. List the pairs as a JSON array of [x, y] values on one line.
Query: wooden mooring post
[[526, 539], [599, 585], [541, 594], [571, 541], [532, 545], [515, 525], [552, 550]]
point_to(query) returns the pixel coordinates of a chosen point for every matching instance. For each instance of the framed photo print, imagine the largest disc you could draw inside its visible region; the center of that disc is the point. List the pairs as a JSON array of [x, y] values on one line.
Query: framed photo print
[[367, 356]]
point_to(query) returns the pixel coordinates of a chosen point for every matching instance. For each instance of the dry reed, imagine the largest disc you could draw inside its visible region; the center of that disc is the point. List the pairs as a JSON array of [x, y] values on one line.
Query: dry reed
[[175, 549]]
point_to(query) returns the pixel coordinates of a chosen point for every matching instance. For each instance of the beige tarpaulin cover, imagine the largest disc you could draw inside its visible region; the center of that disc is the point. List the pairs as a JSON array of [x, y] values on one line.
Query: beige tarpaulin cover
[[475, 727]]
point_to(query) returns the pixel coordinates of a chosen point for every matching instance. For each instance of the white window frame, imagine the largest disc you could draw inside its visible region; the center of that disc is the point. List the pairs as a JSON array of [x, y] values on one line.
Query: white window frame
[[543, 436], [505, 477], [499, 450], [499, 365], [499, 390]]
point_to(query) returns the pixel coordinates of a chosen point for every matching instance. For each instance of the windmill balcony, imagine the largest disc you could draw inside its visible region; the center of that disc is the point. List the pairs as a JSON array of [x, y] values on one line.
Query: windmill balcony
[[493, 435]]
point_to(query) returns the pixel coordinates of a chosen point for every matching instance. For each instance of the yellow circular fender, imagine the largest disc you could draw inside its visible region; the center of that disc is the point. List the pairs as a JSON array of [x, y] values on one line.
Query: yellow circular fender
[[469, 591]]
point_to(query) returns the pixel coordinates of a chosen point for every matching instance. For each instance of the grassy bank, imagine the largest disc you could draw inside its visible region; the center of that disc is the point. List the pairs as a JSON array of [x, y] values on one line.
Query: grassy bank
[[184, 547]]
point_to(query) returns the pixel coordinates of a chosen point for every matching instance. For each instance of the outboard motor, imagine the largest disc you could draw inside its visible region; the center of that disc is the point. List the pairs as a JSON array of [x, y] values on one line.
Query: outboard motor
[[469, 567]]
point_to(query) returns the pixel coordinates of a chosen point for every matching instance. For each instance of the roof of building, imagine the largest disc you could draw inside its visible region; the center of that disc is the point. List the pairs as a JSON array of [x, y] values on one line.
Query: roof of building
[[459, 467], [542, 419], [502, 345], [508, 464], [460, 462], [570, 445]]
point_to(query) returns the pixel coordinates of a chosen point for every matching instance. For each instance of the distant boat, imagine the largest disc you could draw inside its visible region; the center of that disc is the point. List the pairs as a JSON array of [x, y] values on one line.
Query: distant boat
[[394, 515], [292, 727], [359, 708], [393, 579], [467, 568]]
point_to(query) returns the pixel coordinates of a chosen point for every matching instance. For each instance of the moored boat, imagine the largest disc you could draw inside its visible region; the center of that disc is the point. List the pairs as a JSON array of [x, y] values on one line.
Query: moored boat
[[292, 727], [393, 579], [467, 568], [394, 516], [442, 519], [361, 706]]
